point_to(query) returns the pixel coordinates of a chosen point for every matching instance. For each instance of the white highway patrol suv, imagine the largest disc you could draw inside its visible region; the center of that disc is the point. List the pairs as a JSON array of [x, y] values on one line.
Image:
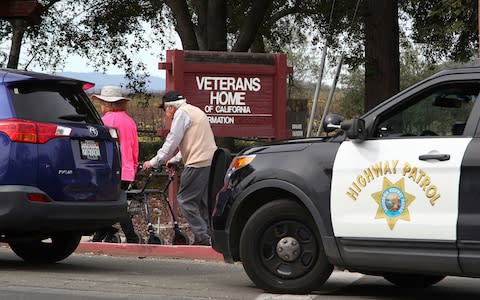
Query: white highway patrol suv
[[395, 193]]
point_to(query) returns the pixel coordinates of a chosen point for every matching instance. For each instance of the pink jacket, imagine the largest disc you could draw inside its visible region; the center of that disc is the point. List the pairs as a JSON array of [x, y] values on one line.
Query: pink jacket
[[128, 139]]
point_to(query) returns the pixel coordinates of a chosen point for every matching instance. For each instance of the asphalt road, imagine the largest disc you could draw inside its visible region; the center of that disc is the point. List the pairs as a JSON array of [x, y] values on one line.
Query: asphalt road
[[108, 277], [83, 276]]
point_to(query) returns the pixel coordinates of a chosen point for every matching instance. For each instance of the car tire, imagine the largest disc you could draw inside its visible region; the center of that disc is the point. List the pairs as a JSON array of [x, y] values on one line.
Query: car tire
[[284, 226], [413, 280], [57, 248]]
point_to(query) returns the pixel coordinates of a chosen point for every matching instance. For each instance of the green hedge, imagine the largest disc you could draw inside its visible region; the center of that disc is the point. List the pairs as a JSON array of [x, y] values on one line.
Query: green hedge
[[147, 150]]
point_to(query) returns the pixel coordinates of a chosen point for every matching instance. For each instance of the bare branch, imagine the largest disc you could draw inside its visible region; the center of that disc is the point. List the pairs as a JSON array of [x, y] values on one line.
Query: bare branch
[[184, 26], [250, 26]]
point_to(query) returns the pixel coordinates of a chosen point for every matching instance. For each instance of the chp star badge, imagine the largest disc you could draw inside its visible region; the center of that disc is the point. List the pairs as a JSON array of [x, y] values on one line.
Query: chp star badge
[[393, 202]]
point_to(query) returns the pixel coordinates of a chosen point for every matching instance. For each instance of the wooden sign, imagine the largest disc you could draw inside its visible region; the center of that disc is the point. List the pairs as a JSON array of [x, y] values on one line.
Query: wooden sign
[[30, 10], [243, 94]]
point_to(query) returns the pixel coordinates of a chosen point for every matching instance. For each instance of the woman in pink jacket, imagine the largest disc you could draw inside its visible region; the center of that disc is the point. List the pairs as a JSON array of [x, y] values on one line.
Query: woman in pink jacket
[[114, 110]]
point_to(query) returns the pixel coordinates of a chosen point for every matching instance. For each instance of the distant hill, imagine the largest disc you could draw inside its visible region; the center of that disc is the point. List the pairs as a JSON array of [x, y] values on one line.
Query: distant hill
[[155, 84]]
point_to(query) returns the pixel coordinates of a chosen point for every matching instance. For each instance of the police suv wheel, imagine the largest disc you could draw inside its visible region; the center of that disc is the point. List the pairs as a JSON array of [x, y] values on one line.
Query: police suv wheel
[[57, 248], [413, 280], [281, 249]]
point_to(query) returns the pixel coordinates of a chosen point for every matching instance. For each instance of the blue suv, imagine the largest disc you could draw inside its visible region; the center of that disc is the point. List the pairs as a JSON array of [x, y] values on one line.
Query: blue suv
[[59, 166]]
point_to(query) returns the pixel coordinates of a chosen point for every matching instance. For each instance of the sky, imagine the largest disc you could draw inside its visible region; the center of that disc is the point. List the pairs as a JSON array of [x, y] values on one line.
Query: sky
[[79, 64], [76, 63]]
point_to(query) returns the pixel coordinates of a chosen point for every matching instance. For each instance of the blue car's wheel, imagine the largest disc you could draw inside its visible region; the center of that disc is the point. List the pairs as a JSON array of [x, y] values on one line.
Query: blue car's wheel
[[57, 248]]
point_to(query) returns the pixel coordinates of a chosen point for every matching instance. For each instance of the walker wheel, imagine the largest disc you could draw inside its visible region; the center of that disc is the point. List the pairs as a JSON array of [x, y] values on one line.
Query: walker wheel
[[155, 239], [115, 238]]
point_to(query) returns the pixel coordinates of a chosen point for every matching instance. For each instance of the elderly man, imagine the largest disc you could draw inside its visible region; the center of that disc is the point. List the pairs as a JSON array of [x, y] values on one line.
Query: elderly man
[[191, 133]]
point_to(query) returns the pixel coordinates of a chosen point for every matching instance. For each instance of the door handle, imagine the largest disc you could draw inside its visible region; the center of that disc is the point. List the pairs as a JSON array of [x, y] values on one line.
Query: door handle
[[440, 157]]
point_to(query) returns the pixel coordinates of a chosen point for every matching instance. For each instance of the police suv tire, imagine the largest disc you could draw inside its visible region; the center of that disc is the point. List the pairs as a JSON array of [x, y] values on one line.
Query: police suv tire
[[58, 248], [413, 280], [284, 225]]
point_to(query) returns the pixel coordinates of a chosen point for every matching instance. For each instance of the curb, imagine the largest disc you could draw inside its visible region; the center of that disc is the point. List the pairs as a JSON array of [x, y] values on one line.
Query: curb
[[145, 250]]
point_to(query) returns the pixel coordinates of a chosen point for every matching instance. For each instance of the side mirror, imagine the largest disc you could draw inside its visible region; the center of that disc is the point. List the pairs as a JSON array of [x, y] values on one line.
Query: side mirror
[[354, 129], [332, 122]]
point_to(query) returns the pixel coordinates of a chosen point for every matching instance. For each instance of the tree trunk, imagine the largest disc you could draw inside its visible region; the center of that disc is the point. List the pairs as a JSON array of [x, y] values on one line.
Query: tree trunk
[[211, 31], [184, 26], [217, 41], [382, 64], [201, 8], [251, 24], [217, 25], [19, 26], [258, 46]]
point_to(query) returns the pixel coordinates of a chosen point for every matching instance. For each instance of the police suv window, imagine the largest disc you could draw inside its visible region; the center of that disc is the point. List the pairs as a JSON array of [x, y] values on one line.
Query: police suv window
[[441, 111]]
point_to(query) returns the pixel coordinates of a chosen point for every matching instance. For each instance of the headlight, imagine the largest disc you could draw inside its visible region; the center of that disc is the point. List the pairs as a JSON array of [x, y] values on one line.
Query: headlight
[[238, 163]]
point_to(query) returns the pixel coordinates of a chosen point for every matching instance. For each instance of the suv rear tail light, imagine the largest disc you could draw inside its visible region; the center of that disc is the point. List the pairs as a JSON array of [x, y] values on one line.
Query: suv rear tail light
[[37, 198], [25, 131], [87, 86]]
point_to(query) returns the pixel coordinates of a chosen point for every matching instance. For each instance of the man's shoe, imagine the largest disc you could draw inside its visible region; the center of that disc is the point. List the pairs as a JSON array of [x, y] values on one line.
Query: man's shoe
[[204, 242]]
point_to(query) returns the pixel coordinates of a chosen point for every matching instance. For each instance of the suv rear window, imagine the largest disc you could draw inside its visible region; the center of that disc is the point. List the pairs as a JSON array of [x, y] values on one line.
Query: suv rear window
[[53, 102]]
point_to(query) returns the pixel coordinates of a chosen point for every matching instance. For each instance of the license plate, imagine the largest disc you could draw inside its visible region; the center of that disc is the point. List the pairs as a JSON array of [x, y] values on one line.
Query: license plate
[[90, 150]]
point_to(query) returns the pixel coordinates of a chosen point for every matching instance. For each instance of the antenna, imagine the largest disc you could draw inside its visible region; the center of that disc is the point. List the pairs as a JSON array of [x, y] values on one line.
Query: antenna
[[30, 61]]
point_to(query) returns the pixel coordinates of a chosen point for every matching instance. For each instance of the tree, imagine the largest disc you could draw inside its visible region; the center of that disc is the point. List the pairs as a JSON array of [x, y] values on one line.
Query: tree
[[107, 32], [241, 26], [233, 25], [74, 26], [248, 25], [20, 14], [110, 31], [382, 66], [352, 103], [447, 29], [100, 29], [19, 26], [414, 67]]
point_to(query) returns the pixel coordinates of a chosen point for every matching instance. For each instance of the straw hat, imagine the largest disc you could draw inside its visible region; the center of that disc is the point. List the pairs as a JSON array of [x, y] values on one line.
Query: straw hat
[[110, 93]]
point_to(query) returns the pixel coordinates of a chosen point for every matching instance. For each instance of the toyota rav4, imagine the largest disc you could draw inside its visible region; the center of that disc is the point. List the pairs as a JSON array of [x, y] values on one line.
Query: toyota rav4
[[59, 166]]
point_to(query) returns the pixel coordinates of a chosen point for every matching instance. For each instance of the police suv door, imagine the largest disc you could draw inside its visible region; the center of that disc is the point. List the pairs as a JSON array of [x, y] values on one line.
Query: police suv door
[[396, 194]]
